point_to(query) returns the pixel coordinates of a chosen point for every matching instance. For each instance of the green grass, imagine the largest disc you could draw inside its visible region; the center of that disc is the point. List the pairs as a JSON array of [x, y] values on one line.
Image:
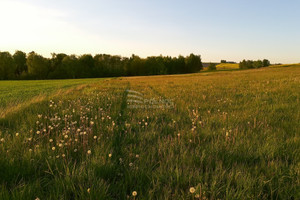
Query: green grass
[[230, 135]]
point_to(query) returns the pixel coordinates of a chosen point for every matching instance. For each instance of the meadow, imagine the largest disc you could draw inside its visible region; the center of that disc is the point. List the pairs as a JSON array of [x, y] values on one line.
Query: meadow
[[211, 135]]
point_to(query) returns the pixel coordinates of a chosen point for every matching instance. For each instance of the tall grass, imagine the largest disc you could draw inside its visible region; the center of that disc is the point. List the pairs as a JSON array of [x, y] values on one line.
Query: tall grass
[[227, 136]]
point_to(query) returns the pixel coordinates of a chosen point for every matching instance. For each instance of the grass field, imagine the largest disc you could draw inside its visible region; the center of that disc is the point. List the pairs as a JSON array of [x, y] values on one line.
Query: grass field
[[214, 135]]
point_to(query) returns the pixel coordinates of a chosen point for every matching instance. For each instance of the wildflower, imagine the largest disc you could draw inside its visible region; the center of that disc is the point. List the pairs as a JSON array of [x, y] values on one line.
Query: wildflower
[[66, 136], [38, 132], [88, 190], [51, 140], [95, 137], [75, 150], [110, 155], [37, 198], [30, 150], [63, 155], [89, 152], [192, 190], [60, 145], [53, 148], [134, 193], [137, 155], [2, 140], [146, 124], [130, 164], [92, 123], [17, 134]]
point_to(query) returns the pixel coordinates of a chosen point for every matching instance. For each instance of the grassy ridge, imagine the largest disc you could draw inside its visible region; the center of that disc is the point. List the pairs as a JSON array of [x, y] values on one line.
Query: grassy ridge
[[228, 135]]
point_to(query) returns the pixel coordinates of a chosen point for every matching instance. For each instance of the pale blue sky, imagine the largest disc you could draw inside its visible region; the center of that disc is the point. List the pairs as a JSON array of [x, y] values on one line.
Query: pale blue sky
[[215, 29]]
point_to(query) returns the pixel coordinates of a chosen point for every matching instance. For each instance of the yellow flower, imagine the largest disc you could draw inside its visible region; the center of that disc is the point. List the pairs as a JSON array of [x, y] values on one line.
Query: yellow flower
[[95, 137], [51, 140], [88, 190], [89, 152], [192, 190], [17, 134], [110, 155], [134, 193], [53, 148]]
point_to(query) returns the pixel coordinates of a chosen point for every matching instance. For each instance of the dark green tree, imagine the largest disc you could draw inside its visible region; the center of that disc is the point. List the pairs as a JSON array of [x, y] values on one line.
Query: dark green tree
[[7, 66], [266, 63], [193, 63], [20, 61], [38, 66]]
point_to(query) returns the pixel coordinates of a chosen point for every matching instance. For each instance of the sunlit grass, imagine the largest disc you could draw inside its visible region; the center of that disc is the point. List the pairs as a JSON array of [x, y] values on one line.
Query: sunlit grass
[[230, 135]]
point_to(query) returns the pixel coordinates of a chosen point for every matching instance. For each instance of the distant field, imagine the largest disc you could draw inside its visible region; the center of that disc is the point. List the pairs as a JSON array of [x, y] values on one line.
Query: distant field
[[227, 66], [228, 135]]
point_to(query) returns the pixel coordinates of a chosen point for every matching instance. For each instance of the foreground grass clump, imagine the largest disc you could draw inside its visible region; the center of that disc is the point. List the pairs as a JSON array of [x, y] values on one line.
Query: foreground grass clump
[[224, 135]]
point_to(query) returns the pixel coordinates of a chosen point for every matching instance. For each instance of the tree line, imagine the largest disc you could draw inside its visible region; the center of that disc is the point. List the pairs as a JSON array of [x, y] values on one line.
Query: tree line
[[250, 64], [62, 66]]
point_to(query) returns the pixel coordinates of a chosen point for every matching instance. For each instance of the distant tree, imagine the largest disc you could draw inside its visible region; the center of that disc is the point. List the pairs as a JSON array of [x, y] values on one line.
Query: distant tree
[[257, 64], [246, 64], [212, 67], [86, 67], [38, 66], [7, 66], [266, 63], [70, 65], [193, 63], [56, 68], [20, 61], [134, 66], [250, 64], [223, 61]]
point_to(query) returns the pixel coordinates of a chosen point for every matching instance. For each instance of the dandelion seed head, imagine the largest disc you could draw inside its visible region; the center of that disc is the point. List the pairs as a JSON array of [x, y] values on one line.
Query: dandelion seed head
[[192, 190], [134, 193]]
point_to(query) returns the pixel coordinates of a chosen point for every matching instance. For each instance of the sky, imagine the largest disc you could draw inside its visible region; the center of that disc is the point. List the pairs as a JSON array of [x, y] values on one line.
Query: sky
[[232, 30]]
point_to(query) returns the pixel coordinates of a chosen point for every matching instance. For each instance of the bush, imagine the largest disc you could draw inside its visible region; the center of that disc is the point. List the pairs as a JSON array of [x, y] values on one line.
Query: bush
[[212, 67]]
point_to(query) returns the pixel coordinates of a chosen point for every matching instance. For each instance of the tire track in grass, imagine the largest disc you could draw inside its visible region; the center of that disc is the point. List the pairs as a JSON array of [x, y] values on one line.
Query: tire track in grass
[[125, 179], [116, 173]]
